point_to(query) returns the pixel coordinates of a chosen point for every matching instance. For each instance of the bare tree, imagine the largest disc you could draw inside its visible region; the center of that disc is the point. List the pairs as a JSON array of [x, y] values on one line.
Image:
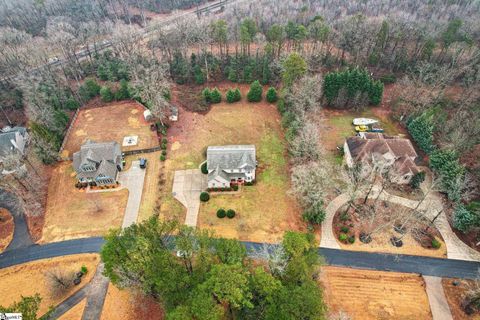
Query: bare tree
[[59, 280]]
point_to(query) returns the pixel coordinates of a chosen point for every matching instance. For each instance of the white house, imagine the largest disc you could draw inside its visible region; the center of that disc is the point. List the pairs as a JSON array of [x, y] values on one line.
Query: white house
[[230, 165]]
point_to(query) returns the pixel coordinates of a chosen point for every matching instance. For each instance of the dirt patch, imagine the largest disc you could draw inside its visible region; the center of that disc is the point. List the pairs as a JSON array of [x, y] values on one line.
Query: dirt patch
[[455, 290], [7, 226], [30, 278], [73, 213], [365, 294], [111, 122], [350, 224], [265, 211], [129, 305], [76, 312]]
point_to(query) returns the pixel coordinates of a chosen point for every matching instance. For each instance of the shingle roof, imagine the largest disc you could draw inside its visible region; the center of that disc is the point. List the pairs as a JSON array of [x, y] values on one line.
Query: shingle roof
[[231, 156], [6, 146], [105, 155]]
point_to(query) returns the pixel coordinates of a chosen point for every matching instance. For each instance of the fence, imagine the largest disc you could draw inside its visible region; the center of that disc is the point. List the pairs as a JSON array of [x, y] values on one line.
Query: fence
[[70, 125]]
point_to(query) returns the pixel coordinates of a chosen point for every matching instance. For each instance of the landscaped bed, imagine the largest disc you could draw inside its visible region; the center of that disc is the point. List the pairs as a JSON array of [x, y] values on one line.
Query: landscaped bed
[[455, 292], [31, 278], [7, 227], [74, 213], [263, 211], [112, 122], [366, 294], [348, 229]]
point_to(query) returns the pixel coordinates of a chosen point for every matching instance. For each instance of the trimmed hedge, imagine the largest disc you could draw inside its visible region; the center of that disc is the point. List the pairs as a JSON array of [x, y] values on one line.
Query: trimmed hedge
[[221, 213], [204, 168], [230, 213]]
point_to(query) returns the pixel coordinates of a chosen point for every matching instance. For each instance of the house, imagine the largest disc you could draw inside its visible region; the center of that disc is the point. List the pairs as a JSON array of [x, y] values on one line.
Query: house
[[395, 153], [230, 165], [98, 162], [12, 140]]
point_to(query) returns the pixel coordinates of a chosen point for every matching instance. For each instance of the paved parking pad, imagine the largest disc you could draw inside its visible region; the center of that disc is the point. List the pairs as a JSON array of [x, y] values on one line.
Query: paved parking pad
[[187, 186]]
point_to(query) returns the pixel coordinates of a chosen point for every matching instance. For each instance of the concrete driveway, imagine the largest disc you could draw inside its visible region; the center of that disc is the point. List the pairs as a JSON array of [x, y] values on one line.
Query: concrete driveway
[[187, 186], [132, 179]]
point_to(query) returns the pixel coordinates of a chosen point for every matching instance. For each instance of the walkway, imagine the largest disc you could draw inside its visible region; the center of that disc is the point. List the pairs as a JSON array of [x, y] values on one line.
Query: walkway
[[187, 186], [21, 236], [132, 179], [436, 298], [438, 267], [456, 249]]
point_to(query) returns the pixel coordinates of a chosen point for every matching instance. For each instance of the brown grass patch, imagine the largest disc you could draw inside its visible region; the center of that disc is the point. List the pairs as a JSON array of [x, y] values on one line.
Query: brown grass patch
[[455, 296], [112, 122], [29, 278], [364, 294], [128, 305], [73, 213], [7, 227]]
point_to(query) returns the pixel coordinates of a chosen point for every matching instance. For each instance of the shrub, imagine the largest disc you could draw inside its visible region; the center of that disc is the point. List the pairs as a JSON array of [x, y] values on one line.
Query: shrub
[[204, 196], [163, 158], [344, 229], [215, 96], [417, 179], [106, 94], [164, 152], [89, 89], [221, 213], [315, 213], [84, 270], [342, 237], [344, 216], [230, 213], [388, 78], [207, 95], [164, 140], [255, 92], [351, 239], [271, 95], [436, 244], [281, 106], [72, 104], [163, 146], [204, 168], [235, 187], [230, 96], [464, 219], [238, 94]]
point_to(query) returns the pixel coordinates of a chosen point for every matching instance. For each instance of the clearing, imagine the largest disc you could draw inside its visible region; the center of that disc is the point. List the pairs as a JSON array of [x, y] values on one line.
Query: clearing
[[129, 305], [365, 294], [112, 122], [30, 278], [264, 211], [7, 227], [74, 213]]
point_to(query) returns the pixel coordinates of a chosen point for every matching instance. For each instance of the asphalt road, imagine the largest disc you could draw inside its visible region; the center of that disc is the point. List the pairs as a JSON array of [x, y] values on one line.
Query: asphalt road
[[448, 268], [21, 236]]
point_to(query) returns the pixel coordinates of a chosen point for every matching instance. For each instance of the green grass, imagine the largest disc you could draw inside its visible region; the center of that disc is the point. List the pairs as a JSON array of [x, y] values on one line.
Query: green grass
[[271, 157]]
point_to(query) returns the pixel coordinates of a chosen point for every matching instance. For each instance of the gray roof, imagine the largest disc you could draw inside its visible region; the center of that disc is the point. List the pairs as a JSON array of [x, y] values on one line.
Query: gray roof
[[6, 137], [105, 155], [231, 157]]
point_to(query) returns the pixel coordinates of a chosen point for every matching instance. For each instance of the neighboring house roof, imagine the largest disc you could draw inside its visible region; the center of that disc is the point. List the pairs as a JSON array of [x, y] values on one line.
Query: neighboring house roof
[[12, 139], [362, 147], [105, 156], [230, 157]]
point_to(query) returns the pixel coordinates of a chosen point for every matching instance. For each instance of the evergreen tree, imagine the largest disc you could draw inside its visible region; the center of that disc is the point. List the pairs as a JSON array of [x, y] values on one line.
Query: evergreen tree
[[294, 67], [207, 95], [255, 93], [215, 96], [237, 95], [271, 95], [106, 94], [123, 93], [230, 96]]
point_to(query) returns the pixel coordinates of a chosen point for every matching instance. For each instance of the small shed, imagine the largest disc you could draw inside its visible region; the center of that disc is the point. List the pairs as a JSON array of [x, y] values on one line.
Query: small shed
[[173, 113], [147, 114]]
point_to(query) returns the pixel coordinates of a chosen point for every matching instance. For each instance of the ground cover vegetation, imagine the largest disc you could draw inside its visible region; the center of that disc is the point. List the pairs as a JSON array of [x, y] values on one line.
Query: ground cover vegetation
[[212, 278]]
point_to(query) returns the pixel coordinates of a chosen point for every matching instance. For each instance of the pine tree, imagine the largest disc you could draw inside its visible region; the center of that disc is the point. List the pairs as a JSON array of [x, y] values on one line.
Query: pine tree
[[255, 93], [215, 96], [207, 95], [271, 95], [238, 95]]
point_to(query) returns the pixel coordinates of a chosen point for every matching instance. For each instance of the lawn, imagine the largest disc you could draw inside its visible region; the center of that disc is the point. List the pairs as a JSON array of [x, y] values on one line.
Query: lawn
[[76, 312], [7, 227], [366, 294], [264, 211], [73, 213], [112, 122], [29, 278], [337, 125]]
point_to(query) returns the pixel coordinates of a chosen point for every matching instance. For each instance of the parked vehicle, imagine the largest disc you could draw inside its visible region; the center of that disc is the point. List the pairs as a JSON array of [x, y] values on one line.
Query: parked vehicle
[[143, 163], [362, 128], [364, 121]]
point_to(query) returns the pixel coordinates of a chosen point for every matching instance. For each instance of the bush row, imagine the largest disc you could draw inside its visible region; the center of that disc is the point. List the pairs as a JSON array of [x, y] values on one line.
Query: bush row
[[222, 213]]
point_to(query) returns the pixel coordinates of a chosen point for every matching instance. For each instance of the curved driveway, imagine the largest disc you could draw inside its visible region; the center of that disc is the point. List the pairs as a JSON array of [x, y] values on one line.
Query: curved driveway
[[21, 236]]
